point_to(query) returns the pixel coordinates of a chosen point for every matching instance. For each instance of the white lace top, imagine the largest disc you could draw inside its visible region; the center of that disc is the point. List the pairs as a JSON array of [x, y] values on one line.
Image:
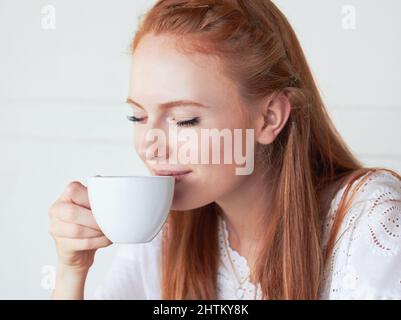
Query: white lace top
[[365, 263]]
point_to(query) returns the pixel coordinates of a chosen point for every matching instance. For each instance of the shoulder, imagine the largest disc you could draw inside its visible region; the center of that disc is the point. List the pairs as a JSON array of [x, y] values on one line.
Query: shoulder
[[376, 200], [366, 259], [376, 195], [374, 183]]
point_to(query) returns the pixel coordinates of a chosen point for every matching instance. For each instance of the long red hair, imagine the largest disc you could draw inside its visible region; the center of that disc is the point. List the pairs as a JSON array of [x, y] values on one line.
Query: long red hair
[[260, 52]]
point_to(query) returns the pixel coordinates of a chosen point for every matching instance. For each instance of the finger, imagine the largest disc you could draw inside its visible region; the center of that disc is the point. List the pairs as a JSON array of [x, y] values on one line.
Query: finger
[[84, 244], [74, 231], [72, 213], [77, 193]]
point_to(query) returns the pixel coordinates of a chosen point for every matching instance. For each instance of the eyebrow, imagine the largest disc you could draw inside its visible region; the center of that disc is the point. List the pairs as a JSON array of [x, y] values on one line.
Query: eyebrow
[[171, 104]]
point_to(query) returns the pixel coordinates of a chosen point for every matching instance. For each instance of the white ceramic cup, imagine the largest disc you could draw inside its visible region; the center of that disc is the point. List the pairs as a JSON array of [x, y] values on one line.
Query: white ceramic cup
[[130, 209]]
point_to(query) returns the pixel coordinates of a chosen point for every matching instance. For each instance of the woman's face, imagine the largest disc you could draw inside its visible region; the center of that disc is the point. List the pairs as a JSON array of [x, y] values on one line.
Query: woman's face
[[160, 74]]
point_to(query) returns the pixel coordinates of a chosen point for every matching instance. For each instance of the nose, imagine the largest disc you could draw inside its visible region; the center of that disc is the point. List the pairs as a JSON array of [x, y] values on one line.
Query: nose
[[153, 145]]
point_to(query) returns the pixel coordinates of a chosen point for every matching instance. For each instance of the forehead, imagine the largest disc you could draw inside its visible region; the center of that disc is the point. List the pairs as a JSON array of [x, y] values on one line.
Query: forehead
[[160, 72]]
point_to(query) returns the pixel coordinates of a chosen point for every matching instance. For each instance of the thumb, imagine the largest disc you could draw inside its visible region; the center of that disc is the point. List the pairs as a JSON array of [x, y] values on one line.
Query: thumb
[[77, 193]]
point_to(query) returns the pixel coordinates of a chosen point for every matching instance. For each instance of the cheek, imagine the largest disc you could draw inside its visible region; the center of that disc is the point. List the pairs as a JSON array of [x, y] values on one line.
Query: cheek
[[218, 174], [137, 143], [220, 166], [217, 151], [139, 137], [214, 182], [208, 184]]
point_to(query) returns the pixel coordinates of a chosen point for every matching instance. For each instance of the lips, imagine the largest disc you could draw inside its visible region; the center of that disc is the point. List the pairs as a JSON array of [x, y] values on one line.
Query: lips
[[178, 175]]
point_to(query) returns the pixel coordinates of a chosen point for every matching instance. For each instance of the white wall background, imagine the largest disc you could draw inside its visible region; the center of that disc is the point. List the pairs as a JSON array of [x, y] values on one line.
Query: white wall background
[[62, 115]]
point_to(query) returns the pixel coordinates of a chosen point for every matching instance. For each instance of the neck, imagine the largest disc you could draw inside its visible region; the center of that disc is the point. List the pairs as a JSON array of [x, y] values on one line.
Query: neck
[[243, 210]]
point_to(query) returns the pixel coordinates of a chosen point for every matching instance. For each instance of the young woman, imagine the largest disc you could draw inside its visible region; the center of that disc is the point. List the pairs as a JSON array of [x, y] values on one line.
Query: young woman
[[309, 222]]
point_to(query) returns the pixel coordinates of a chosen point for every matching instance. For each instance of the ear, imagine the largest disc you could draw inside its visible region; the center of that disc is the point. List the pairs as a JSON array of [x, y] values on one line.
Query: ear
[[272, 116]]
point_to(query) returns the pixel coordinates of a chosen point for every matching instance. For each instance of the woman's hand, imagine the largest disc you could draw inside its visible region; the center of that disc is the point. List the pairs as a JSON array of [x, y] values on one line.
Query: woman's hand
[[76, 234]]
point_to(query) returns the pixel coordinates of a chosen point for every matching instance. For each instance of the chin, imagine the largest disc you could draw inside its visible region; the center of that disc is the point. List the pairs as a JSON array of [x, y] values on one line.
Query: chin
[[185, 204], [179, 206]]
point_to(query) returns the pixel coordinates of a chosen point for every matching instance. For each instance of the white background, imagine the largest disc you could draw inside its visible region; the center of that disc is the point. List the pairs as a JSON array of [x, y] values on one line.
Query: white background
[[62, 115]]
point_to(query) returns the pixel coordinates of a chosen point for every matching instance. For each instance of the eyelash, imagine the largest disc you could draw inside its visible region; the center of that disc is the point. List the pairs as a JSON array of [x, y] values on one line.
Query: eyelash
[[186, 123]]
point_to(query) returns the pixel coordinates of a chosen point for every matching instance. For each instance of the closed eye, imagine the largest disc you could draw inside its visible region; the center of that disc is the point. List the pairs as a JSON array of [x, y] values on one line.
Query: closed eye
[[185, 123], [134, 119], [188, 123]]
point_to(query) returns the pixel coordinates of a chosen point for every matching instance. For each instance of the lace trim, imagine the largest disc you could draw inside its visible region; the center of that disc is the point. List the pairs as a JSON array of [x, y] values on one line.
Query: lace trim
[[240, 263]]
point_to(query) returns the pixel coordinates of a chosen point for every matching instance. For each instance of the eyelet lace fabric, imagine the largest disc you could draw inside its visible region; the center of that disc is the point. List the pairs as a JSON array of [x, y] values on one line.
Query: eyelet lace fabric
[[366, 260]]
